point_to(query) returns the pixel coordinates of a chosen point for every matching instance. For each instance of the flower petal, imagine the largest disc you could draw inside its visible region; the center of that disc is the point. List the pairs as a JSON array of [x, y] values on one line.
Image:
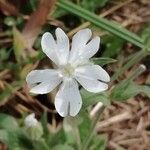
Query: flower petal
[[93, 72], [45, 87], [62, 45], [91, 48], [43, 81], [79, 41], [91, 85], [68, 100], [36, 76], [49, 47]]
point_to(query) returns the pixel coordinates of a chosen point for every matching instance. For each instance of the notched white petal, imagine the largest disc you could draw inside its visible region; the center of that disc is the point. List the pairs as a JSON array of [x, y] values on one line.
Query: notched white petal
[[62, 38], [81, 37], [36, 76], [91, 85], [68, 100], [102, 74], [62, 45], [43, 81], [93, 72], [45, 87], [91, 48], [49, 46], [79, 41]]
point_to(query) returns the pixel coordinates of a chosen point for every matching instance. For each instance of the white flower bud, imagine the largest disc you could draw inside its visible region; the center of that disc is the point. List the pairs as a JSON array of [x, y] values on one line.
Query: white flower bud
[[32, 127], [30, 121]]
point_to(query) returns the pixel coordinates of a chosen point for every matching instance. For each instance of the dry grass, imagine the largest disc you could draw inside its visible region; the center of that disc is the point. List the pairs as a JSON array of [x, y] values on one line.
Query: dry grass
[[127, 124]]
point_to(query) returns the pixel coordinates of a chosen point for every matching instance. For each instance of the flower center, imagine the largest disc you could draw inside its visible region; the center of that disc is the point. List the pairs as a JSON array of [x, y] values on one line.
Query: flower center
[[67, 70]]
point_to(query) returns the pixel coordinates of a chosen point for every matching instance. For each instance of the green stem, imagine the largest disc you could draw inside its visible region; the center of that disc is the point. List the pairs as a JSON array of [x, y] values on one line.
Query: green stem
[[136, 58], [91, 133], [101, 22]]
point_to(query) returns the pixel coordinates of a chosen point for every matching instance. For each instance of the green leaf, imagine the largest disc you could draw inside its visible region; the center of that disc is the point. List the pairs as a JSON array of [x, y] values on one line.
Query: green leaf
[[34, 4], [127, 89], [7, 122], [44, 123], [40, 145], [135, 58], [10, 88], [4, 96], [144, 89], [56, 138], [103, 61], [146, 38], [3, 136], [113, 45], [4, 54], [10, 139], [62, 147], [92, 5], [70, 126], [15, 139], [9, 65], [92, 98], [85, 124], [25, 70], [10, 21], [18, 44], [59, 12], [99, 142], [12, 135], [101, 22]]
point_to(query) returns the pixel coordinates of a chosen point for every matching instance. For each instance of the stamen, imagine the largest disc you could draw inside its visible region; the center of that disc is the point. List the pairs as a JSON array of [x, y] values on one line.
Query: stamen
[[67, 70]]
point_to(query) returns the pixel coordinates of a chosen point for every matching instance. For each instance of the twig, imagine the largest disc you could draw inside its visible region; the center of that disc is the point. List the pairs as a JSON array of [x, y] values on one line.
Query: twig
[[96, 108], [129, 141], [118, 118], [91, 132]]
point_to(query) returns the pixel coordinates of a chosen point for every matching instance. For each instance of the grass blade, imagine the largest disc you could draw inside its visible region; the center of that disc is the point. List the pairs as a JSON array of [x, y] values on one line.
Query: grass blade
[[101, 22]]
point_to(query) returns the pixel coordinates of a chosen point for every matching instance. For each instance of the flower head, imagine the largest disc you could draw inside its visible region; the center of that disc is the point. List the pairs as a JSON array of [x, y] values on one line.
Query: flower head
[[73, 67]]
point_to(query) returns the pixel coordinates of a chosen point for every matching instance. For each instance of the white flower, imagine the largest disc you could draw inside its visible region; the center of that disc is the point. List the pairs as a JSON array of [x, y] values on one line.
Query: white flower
[[30, 121], [73, 66]]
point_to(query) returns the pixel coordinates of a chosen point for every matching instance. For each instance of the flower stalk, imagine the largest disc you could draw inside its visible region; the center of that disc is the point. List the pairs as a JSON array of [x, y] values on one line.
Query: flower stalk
[[135, 58], [92, 131]]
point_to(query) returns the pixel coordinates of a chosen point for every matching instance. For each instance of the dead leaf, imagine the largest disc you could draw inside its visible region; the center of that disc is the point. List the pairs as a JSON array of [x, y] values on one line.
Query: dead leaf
[[36, 21], [8, 9]]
